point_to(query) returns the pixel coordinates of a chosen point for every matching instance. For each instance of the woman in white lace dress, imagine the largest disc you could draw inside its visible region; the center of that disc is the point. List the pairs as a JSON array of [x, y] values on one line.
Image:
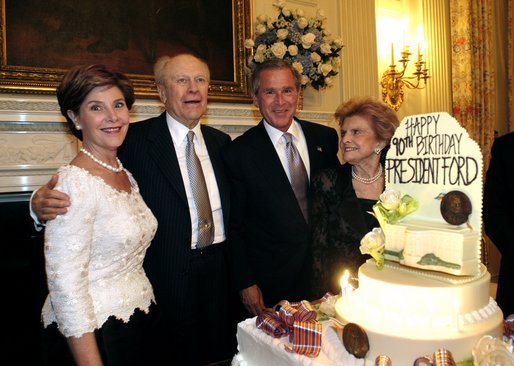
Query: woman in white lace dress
[[99, 296]]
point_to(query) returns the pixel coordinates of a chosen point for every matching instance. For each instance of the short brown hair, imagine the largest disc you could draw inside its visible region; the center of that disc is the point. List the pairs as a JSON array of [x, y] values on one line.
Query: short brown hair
[[78, 82], [384, 119], [273, 64]]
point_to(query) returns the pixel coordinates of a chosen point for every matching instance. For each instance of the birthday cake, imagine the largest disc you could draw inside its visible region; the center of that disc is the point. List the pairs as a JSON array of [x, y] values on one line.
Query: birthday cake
[[433, 291]]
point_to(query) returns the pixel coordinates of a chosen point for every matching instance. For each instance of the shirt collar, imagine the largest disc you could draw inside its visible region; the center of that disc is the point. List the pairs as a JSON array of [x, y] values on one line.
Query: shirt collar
[[179, 131], [276, 135]]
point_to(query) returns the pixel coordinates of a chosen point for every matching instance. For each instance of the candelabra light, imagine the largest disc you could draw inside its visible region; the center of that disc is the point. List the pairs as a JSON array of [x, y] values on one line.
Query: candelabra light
[[394, 80]]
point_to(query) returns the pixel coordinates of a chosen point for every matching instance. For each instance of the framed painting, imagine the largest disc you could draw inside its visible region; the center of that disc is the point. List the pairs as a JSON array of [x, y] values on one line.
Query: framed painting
[[42, 39]]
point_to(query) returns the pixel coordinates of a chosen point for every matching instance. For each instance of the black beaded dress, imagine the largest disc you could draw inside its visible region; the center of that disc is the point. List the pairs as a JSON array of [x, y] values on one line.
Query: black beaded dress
[[339, 221]]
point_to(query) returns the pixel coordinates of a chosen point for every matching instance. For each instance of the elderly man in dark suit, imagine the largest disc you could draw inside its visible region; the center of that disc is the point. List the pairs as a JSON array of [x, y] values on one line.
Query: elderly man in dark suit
[[269, 167], [169, 156], [499, 215]]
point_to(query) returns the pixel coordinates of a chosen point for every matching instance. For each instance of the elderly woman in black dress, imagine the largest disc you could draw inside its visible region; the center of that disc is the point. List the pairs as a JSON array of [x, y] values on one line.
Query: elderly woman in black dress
[[343, 196]]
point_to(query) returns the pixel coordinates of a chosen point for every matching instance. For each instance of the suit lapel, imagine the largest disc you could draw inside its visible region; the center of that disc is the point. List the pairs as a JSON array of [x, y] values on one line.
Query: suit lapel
[[273, 171], [268, 159], [163, 152], [315, 150]]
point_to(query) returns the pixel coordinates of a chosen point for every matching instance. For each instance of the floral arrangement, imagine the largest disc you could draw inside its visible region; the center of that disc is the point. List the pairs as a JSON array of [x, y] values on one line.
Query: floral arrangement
[[390, 208], [303, 41]]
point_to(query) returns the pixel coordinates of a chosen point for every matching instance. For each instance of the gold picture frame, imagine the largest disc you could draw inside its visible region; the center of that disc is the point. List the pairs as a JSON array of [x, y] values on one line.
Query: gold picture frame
[[42, 39]]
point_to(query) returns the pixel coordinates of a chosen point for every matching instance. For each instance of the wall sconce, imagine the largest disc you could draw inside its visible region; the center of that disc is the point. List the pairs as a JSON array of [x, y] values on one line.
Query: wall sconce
[[393, 81]]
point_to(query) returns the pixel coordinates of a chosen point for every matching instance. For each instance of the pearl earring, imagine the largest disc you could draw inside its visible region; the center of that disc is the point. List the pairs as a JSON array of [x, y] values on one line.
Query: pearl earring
[[377, 150], [78, 127]]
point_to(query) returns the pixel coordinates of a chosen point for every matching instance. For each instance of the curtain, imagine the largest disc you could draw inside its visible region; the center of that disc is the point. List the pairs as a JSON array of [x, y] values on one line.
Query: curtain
[[473, 76]]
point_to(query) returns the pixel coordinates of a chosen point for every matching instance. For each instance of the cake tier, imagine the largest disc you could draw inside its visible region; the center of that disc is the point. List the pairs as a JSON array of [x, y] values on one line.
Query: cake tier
[[407, 315], [434, 246], [256, 348]]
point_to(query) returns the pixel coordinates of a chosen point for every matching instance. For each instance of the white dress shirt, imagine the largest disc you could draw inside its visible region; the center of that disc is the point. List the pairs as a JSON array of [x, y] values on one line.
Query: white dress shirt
[[179, 136], [280, 145]]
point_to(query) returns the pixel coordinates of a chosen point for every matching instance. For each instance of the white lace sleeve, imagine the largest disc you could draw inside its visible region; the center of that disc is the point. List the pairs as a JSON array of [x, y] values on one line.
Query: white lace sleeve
[[68, 241]]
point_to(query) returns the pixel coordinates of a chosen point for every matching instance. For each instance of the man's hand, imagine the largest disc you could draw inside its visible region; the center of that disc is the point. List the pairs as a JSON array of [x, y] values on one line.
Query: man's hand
[[251, 297], [47, 203]]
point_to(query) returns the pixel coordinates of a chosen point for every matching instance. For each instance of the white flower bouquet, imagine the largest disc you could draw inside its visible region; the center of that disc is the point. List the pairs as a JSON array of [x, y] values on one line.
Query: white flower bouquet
[[303, 41], [390, 208]]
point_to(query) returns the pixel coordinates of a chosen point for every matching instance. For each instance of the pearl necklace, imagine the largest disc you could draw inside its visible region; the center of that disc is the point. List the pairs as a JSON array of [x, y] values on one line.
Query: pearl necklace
[[369, 180], [105, 165]]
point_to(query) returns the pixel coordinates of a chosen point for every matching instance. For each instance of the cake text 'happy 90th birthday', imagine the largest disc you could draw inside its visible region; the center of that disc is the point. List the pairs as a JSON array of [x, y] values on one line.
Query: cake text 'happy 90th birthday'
[[430, 157]]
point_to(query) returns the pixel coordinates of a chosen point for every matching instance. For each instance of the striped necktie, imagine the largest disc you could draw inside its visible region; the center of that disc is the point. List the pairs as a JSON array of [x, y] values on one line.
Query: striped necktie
[[298, 173], [200, 194]]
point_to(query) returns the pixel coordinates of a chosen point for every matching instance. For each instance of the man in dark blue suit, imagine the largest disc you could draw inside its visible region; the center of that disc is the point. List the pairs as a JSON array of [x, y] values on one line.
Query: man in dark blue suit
[[269, 231], [190, 283]]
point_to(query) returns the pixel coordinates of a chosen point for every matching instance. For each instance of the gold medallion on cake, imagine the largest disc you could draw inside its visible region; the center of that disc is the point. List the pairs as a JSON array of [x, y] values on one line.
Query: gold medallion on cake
[[355, 340], [455, 207]]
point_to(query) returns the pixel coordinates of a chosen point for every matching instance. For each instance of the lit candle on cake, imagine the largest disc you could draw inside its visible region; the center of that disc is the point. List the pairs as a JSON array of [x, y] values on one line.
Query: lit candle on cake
[[346, 288]]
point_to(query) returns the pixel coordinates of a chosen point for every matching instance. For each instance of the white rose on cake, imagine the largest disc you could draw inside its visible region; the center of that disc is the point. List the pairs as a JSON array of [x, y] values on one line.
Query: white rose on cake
[[391, 199], [373, 243]]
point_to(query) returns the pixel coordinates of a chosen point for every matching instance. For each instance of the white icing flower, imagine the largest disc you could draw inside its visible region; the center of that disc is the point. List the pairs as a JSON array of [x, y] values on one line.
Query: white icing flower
[[374, 240], [279, 49], [391, 199], [373, 243]]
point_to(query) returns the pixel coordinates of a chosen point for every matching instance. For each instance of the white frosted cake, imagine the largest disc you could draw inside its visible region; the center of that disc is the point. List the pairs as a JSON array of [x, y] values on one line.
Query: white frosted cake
[[407, 315], [256, 348], [435, 293]]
